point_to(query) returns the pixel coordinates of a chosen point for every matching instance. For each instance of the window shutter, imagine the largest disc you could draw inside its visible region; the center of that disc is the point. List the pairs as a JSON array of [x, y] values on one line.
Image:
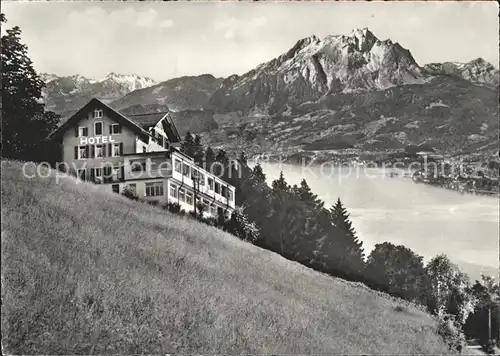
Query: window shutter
[[110, 149], [85, 131], [122, 173], [76, 131], [119, 128], [121, 148], [92, 151], [104, 150], [110, 129], [92, 174], [76, 152]]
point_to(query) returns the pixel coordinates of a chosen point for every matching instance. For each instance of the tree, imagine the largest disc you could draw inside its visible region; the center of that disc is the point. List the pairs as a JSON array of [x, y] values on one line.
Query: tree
[[398, 270], [340, 218], [240, 225], [305, 194], [198, 154], [448, 290], [483, 323], [280, 184], [25, 124], [187, 146], [209, 158]]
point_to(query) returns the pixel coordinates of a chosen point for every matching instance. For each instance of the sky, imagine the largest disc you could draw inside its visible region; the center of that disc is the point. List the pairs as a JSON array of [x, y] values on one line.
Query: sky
[[163, 40]]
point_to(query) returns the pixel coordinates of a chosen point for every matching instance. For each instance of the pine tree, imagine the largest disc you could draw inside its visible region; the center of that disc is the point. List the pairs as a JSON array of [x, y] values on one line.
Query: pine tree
[[209, 159], [198, 153], [305, 194], [187, 145], [221, 169], [280, 184], [25, 123], [340, 218]]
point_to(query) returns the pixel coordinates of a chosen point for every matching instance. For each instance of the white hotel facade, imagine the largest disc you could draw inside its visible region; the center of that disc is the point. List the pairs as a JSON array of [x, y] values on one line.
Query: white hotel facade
[[139, 153]]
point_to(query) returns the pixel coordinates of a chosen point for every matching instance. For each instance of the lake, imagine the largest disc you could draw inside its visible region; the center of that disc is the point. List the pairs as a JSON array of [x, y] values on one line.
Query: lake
[[429, 220]]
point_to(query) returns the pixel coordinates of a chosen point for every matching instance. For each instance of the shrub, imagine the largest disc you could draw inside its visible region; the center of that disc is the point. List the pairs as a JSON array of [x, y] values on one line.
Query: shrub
[[450, 330], [128, 193]]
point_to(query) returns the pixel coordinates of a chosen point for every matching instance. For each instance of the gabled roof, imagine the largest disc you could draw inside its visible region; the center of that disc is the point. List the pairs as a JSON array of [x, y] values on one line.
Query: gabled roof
[[148, 119], [170, 129], [113, 114]]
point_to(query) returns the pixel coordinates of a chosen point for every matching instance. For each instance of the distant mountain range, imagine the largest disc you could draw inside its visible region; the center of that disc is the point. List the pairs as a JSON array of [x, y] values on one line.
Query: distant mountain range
[[342, 91], [65, 94]]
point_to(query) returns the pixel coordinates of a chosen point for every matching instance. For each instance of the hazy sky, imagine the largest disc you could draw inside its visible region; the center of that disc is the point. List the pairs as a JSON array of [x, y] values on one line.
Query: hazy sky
[[163, 40]]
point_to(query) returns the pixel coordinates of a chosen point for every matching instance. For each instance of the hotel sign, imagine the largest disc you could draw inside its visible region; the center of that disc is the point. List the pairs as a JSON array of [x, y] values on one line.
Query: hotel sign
[[96, 140]]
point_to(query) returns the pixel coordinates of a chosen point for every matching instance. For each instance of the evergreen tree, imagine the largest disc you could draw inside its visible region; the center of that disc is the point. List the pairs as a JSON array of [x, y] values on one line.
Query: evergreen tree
[[340, 219], [187, 145], [221, 169], [25, 123], [258, 175], [198, 153], [209, 158], [280, 184], [305, 194]]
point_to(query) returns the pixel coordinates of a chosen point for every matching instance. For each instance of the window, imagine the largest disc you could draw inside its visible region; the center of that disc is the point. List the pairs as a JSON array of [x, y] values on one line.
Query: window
[[178, 166], [224, 191], [81, 174], [117, 149], [82, 152], [230, 195], [182, 195], [83, 131], [154, 189], [210, 184], [173, 190], [138, 166], [202, 179], [217, 188], [116, 173], [165, 142], [99, 151], [116, 129], [116, 188], [97, 114], [98, 174], [213, 209], [144, 149], [186, 169], [98, 128], [189, 198]]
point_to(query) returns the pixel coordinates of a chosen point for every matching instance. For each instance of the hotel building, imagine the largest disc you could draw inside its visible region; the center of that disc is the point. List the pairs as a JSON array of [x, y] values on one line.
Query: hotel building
[[139, 153]]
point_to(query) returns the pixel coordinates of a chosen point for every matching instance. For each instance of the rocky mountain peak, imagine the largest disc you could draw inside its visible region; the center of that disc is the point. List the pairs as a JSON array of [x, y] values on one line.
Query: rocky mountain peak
[[364, 39]]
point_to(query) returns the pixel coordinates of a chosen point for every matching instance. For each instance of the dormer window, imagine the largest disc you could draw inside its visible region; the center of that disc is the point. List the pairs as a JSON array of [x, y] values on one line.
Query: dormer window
[[97, 114]]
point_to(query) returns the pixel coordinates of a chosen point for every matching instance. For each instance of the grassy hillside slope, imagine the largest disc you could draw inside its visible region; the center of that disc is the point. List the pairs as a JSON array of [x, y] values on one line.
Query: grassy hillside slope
[[89, 272]]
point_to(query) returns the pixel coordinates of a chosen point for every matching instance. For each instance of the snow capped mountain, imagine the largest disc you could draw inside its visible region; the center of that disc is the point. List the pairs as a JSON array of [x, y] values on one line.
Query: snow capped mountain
[[314, 67], [68, 93], [476, 71], [129, 81]]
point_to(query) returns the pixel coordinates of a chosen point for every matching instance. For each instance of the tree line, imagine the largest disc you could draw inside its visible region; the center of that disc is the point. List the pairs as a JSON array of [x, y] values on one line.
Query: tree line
[[289, 220]]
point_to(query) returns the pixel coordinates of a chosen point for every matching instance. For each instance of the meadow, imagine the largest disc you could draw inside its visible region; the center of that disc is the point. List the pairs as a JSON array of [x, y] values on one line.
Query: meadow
[[85, 271]]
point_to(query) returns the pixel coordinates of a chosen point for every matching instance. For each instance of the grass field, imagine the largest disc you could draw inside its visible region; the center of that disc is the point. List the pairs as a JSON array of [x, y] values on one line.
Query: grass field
[[89, 272]]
